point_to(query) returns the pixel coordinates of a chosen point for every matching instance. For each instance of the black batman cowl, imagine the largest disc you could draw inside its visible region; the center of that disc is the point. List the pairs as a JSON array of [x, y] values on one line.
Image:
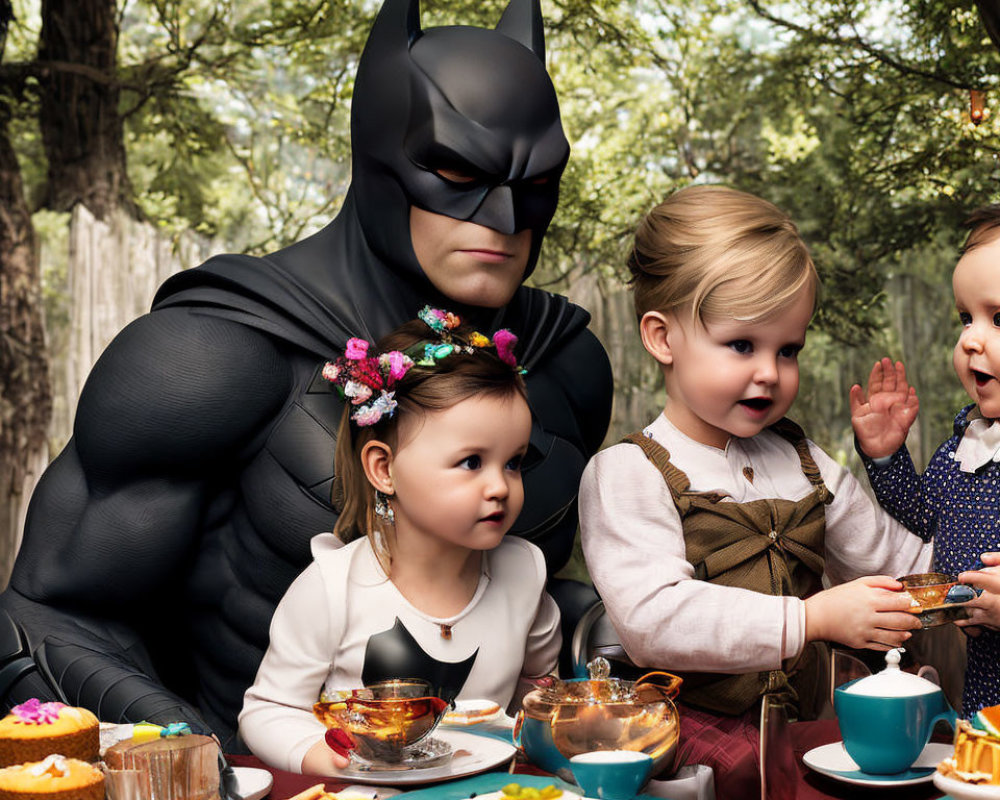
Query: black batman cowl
[[453, 98], [420, 105]]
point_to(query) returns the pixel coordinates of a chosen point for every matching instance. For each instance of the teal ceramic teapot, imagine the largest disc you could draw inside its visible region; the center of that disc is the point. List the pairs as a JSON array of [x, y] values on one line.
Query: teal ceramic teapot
[[886, 719]]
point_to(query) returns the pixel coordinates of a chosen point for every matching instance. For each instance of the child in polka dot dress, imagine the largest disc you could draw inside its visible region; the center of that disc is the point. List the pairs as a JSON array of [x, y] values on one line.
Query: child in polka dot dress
[[957, 498]]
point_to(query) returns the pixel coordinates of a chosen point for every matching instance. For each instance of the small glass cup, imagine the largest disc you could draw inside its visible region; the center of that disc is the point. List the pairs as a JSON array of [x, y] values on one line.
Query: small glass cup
[[779, 774], [386, 719], [929, 591]]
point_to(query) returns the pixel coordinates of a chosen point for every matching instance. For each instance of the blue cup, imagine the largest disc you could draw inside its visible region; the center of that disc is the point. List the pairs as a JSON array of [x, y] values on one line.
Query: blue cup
[[611, 774], [884, 735]]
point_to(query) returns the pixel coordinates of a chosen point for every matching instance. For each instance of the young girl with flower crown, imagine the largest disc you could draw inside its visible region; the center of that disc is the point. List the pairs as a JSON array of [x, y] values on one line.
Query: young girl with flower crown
[[708, 533], [428, 465]]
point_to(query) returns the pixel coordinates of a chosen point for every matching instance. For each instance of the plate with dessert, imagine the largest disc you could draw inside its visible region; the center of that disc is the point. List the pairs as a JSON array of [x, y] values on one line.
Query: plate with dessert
[[972, 770], [515, 791], [53, 749]]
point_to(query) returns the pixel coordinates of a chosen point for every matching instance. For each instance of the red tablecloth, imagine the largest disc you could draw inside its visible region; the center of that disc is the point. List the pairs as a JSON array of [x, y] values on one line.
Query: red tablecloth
[[805, 736], [813, 786], [286, 784]]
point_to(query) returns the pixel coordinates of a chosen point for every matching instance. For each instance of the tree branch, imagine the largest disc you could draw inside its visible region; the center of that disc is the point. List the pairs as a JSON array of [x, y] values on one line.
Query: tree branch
[[857, 41]]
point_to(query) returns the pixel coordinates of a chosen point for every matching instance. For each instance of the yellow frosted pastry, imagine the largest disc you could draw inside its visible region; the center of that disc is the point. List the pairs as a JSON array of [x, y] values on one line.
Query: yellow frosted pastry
[[977, 756], [54, 778], [34, 730]]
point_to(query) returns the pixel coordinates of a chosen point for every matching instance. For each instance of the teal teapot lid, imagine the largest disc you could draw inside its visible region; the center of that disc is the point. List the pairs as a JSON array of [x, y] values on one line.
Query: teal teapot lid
[[892, 681]]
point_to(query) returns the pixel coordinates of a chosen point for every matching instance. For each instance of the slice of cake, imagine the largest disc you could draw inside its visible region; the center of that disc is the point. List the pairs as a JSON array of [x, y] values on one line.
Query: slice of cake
[[34, 730], [977, 750], [174, 767], [54, 778]]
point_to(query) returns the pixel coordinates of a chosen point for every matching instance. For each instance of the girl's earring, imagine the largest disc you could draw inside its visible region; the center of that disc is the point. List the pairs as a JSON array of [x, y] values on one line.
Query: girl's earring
[[382, 508]]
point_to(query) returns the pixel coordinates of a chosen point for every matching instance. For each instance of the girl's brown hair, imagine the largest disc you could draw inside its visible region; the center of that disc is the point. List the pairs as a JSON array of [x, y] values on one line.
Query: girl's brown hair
[[449, 381], [720, 253]]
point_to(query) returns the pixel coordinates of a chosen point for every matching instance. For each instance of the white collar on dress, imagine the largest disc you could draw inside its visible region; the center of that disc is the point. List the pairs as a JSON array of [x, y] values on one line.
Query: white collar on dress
[[980, 444]]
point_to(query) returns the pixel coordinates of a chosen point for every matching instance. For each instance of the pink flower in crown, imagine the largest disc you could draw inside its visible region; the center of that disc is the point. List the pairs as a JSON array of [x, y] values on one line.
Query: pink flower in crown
[[396, 362], [358, 392], [356, 349], [504, 342], [331, 371], [384, 405], [367, 415]]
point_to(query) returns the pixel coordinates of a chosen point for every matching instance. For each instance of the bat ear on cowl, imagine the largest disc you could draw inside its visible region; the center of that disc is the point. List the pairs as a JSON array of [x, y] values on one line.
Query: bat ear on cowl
[[989, 10], [522, 22]]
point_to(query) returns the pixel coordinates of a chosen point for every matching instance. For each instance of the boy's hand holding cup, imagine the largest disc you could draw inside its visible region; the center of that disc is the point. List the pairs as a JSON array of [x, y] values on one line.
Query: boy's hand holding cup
[[868, 612]]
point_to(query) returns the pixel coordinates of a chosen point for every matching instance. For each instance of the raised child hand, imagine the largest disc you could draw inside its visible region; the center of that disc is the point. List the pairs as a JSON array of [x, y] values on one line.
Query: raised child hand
[[985, 609], [882, 416], [867, 612]]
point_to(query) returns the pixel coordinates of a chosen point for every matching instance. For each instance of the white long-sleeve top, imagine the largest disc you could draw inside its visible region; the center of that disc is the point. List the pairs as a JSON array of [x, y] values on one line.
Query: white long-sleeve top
[[321, 628], [634, 546]]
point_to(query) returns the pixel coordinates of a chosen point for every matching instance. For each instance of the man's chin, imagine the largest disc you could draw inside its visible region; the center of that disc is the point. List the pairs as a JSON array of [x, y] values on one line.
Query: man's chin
[[491, 297]]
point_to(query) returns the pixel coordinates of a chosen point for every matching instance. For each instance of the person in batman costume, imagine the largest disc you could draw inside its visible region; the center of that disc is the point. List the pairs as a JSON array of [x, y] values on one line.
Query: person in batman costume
[[158, 543]]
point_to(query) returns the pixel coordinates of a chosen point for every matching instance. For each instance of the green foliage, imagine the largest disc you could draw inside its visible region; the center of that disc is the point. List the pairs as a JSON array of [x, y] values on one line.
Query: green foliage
[[849, 114]]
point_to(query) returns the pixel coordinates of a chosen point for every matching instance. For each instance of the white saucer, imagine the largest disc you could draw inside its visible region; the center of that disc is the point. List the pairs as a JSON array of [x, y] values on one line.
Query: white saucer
[[832, 760], [473, 754], [965, 791], [252, 783]]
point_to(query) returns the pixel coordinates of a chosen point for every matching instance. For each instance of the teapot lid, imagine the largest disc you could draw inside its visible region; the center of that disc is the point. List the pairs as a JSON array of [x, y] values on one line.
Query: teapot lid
[[892, 681]]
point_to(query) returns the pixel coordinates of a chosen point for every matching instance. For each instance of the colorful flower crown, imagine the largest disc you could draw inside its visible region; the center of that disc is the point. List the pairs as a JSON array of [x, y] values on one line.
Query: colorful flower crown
[[360, 377]]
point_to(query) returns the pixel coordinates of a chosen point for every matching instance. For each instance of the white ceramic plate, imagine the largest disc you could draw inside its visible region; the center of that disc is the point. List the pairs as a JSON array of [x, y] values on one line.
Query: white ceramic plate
[[457, 719], [473, 754], [965, 791], [832, 760], [252, 783]]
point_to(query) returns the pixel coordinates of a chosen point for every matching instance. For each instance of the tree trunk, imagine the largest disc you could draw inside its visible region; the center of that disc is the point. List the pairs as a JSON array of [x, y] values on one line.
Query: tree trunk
[[25, 395], [79, 119]]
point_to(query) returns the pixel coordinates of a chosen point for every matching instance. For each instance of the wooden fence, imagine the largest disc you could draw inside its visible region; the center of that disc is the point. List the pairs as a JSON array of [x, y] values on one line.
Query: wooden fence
[[106, 275]]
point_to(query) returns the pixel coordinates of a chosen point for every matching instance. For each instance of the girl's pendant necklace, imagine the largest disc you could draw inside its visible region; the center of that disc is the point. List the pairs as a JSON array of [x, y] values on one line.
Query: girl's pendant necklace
[[445, 631]]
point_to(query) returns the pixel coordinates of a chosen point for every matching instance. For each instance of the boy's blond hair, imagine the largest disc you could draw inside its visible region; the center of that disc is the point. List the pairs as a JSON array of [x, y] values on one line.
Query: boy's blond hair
[[721, 253], [983, 225]]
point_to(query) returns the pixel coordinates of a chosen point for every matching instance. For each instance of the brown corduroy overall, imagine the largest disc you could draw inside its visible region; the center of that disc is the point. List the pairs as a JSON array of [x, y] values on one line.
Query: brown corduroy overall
[[774, 546]]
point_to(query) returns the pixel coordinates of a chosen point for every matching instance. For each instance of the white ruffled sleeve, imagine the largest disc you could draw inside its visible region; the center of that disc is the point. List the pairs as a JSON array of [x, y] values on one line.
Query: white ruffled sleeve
[[634, 546]]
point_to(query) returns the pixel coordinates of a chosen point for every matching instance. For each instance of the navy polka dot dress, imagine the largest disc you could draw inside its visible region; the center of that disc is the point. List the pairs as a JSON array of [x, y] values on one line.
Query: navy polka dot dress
[[961, 512]]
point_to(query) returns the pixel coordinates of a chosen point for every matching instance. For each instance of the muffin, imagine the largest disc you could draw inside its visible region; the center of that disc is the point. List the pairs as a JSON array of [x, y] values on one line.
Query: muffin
[[54, 778], [34, 730]]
